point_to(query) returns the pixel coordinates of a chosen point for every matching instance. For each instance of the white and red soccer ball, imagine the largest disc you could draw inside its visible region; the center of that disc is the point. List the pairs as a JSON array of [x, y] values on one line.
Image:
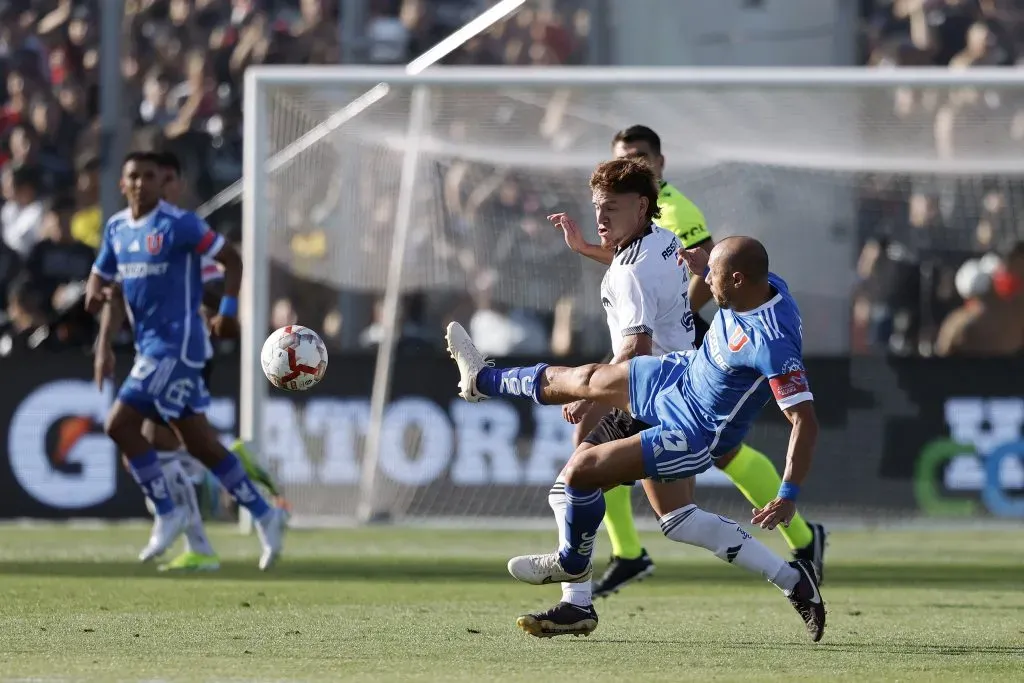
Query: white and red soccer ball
[[294, 358]]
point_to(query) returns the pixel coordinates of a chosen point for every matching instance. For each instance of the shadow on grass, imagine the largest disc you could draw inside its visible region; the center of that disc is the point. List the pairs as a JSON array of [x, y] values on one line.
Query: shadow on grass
[[890, 648], [962, 576]]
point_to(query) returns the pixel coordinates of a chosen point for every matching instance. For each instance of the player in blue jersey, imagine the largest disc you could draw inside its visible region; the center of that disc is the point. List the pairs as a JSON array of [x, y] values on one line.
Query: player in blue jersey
[[181, 470], [700, 405], [154, 249]]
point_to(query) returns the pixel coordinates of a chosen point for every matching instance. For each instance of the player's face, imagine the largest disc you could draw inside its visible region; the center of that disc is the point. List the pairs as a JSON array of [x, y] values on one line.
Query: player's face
[[172, 186], [640, 150], [720, 281], [619, 217], [141, 183]]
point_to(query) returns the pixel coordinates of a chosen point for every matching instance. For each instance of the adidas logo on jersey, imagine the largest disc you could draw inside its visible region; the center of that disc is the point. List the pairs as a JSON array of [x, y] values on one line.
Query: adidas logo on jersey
[[134, 247]]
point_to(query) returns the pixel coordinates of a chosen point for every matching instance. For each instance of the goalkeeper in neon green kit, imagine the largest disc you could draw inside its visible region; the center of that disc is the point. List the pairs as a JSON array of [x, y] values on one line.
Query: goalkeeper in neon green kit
[[750, 470]]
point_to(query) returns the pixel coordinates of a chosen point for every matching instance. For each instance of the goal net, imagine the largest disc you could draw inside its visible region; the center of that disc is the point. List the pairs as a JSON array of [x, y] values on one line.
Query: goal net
[[362, 184]]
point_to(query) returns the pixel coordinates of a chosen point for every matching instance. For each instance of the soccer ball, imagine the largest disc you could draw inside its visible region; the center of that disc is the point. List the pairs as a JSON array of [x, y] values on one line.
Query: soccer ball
[[294, 358]]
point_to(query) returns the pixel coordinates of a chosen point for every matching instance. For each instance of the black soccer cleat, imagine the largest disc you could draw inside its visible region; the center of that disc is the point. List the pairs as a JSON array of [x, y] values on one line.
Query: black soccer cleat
[[807, 601], [564, 619], [622, 572], [814, 553]]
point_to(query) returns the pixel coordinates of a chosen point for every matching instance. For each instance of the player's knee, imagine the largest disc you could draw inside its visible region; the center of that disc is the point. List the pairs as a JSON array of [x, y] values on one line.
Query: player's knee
[[582, 469], [121, 424]]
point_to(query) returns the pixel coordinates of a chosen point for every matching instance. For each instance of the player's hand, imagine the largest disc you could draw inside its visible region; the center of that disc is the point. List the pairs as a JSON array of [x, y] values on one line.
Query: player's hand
[[778, 511], [570, 231], [95, 297], [225, 327], [575, 411], [102, 365], [695, 260]]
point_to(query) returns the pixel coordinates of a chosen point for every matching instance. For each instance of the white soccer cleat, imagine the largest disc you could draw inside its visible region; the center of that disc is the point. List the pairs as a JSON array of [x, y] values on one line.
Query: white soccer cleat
[[166, 529], [541, 569], [469, 359], [271, 532]]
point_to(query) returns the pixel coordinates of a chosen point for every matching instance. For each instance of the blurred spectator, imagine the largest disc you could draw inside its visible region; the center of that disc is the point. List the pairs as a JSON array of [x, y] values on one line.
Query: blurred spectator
[[27, 325], [87, 221], [58, 258], [987, 323], [22, 213]]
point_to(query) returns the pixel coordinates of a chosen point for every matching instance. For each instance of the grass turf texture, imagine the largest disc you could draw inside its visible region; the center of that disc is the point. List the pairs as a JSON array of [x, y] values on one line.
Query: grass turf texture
[[415, 604]]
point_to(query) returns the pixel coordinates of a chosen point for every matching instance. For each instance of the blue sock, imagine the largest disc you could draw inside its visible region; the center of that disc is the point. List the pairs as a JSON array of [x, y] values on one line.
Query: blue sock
[[150, 477], [233, 477], [522, 382], [582, 517]]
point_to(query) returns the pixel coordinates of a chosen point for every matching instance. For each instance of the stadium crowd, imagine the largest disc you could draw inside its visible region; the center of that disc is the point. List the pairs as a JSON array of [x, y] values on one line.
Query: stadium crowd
[[919, 230], [182, 65]]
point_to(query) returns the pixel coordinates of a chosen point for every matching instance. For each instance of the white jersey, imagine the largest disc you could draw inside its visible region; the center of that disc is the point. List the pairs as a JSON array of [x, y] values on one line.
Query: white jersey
[[212, 270], [645, 291]]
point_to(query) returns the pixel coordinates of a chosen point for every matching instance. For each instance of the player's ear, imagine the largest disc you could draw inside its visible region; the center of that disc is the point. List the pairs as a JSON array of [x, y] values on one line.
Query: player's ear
[[644, 204]]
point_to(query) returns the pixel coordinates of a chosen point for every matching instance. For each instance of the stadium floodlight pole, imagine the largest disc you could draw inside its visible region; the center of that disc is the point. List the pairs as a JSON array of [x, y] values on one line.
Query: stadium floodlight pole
[[360, 104], [391, 313]]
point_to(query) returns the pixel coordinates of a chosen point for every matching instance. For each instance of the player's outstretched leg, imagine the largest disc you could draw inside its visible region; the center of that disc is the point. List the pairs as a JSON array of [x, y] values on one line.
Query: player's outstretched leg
[[758, 480], [681, 520], [544, 384], [199, 555], [270, 521], [574, 614], [124, 427]]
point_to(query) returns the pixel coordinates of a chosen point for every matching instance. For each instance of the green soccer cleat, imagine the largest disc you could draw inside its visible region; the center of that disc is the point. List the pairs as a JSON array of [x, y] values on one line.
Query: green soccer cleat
[[252, 468], [192, 562]]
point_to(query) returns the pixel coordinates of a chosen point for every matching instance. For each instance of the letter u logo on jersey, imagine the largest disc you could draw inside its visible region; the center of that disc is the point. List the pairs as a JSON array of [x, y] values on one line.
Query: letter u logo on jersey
[[737, 339], [154, 242]]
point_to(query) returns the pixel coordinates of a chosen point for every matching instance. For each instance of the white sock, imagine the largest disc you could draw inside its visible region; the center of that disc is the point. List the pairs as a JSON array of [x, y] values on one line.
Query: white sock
[[579, 594], [184, 495], [729, 542]]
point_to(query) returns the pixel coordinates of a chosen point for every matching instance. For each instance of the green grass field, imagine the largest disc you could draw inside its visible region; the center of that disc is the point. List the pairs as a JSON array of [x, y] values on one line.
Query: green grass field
[[415, 604]]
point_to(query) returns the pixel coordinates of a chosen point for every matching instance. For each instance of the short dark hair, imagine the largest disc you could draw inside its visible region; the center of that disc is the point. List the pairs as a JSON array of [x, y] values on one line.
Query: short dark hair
[[169, 162], [140, 157], [639, 134], [628, 176]]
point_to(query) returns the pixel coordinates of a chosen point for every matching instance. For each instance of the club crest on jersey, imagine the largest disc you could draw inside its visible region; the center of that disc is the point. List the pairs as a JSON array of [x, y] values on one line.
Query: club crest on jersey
[[154, 242], [737, 339]]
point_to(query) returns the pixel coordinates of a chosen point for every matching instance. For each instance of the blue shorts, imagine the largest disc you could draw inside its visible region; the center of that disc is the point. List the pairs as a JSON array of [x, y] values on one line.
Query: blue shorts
[[674, 448], [165, 388]]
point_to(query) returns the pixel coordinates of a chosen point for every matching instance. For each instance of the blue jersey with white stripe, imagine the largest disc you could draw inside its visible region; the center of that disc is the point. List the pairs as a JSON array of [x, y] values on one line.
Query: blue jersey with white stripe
[[746, 359], [157, 260]]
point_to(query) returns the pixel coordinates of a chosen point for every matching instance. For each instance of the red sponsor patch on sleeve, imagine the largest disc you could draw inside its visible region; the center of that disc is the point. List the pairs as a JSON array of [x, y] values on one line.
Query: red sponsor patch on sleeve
[[789, 384]]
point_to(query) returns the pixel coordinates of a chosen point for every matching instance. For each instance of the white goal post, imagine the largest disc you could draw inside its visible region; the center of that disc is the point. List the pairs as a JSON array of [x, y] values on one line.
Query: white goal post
[[787, 155]]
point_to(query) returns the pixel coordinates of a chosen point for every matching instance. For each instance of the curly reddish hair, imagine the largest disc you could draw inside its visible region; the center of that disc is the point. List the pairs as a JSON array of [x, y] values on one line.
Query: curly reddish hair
[[628, 176]]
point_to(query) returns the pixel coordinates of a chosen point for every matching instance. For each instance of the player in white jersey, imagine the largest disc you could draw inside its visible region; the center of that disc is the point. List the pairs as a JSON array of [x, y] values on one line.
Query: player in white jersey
[[696, 407]]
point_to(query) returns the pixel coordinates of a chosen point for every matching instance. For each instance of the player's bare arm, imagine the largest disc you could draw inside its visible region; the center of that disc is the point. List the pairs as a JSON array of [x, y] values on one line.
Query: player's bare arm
[[225, 323], [699, 291], [96, 292], [112, 317], [632, 345], [574, 239], [803, 437]]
